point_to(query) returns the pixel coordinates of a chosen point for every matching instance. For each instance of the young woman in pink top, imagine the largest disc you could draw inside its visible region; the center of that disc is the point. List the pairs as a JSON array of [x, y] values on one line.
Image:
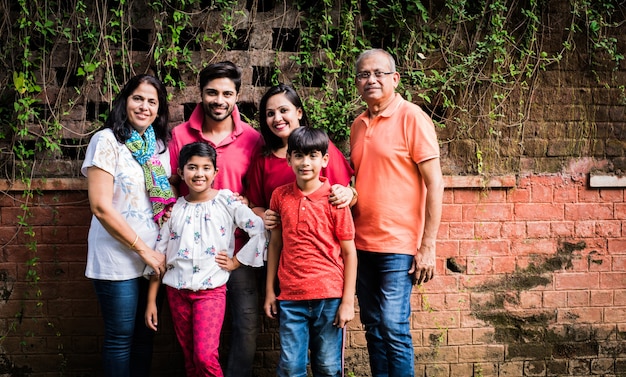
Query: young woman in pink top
[[281, 112]]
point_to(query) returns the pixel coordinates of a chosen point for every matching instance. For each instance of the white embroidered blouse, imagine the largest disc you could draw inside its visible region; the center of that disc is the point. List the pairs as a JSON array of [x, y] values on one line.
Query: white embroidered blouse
[[196, 232]]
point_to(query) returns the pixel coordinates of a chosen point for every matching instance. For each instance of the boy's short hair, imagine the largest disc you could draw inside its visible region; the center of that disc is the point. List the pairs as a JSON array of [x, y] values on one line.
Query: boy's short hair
[[307, 140], [198, 148]]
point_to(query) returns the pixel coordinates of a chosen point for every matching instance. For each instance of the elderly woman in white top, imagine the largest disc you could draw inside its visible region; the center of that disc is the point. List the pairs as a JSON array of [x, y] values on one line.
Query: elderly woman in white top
[[127, 168]]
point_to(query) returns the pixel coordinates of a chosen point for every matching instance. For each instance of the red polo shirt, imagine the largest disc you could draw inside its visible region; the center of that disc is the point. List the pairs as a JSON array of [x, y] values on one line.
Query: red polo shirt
[[310, 265]]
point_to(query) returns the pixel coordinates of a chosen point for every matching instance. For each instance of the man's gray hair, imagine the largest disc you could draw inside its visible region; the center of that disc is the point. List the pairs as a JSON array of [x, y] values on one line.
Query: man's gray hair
[[374, 51]]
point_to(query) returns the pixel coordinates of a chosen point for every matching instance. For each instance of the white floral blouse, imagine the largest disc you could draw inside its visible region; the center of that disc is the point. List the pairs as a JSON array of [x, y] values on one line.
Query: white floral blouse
[[196, 232]]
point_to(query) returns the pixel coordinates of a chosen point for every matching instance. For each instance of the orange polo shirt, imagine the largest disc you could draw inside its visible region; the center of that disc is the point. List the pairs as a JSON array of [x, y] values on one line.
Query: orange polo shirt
[[385, 152]]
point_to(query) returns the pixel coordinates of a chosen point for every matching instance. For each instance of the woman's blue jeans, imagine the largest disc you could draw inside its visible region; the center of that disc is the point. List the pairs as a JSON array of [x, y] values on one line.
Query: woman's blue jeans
[[127, 348], [384, 292], [309, 324]]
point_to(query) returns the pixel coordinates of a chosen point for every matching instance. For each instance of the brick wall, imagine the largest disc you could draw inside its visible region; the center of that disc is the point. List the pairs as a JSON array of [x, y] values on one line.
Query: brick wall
[[531, 282]]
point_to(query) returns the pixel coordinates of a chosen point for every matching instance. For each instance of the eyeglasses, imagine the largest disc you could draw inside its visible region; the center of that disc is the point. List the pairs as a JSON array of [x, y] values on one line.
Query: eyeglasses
[[367, 75]]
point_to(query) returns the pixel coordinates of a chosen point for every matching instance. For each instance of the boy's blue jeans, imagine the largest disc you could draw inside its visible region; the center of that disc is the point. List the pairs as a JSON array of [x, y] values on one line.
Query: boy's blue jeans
[[304, 324], [384, 292], [127, 348]]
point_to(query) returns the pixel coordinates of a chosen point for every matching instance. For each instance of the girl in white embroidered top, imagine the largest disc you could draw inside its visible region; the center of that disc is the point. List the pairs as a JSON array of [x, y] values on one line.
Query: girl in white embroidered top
[[198, 243]]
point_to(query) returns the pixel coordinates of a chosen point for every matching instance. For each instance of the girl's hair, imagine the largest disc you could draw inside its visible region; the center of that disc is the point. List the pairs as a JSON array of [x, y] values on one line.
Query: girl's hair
[[198, 148], [220, 70], [273, 142], [307, 140], [118, 118]]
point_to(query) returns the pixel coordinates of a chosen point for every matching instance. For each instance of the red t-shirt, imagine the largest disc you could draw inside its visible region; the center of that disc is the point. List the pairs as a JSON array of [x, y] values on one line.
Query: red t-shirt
[[310, 265], [269, 172]]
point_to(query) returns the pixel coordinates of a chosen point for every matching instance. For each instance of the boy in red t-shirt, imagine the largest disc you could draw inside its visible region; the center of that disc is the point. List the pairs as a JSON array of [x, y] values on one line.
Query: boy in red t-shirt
[[312, 256]]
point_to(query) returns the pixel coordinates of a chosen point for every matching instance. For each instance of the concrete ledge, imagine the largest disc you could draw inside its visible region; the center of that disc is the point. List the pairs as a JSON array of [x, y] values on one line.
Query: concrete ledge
[[73, 184], [46, 184], [476, 181], [597, 180]]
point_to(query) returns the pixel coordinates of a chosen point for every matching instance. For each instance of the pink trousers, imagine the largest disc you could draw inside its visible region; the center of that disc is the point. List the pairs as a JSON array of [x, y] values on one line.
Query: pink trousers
[[198, 318]]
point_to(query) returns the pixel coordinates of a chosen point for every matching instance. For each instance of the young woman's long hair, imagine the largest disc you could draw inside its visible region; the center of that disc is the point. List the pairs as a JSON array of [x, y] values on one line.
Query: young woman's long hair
[[273, 142], [118, 118]]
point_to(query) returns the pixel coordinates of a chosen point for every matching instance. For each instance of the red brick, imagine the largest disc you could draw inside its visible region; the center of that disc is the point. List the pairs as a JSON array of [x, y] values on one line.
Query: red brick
[[457, 301], [434, 337], [513, 230], [478, 265], [8, 235], [481, 352], [609, 228], [441, 284], [443, 233], [618, 263], [577, 298], [590, 211], [488, 212], [73, 216], [484, 248], [448, 197], [599, 262], [487, 230], [483, 335], [617, 246], [567, 194], [530, 299], [619, 297], [534, 247], [468, 319], [465, 369], [452, 212], [512, 368], [579, 315], [38, 215], [459, 336], [562, 229], [434, 320], [568, 281], [503, 265], [620, 212], [612, 280], [541, 193], [518, 195], [601, 298], [589, 196], [447, 249], [538, 212], [614, 315], [464, 230], [466, 196], [612, 196], [538, 229], [585, 229], [554, 299], [494, 196]]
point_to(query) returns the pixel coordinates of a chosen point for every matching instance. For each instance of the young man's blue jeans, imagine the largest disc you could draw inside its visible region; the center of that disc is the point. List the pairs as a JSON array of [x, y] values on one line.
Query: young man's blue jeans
[[384, 292], [127, 348], [309, 324]]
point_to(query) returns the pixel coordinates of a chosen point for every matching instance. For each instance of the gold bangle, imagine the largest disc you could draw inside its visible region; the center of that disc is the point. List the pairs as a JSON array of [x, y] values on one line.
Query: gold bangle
[[132, 245]]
